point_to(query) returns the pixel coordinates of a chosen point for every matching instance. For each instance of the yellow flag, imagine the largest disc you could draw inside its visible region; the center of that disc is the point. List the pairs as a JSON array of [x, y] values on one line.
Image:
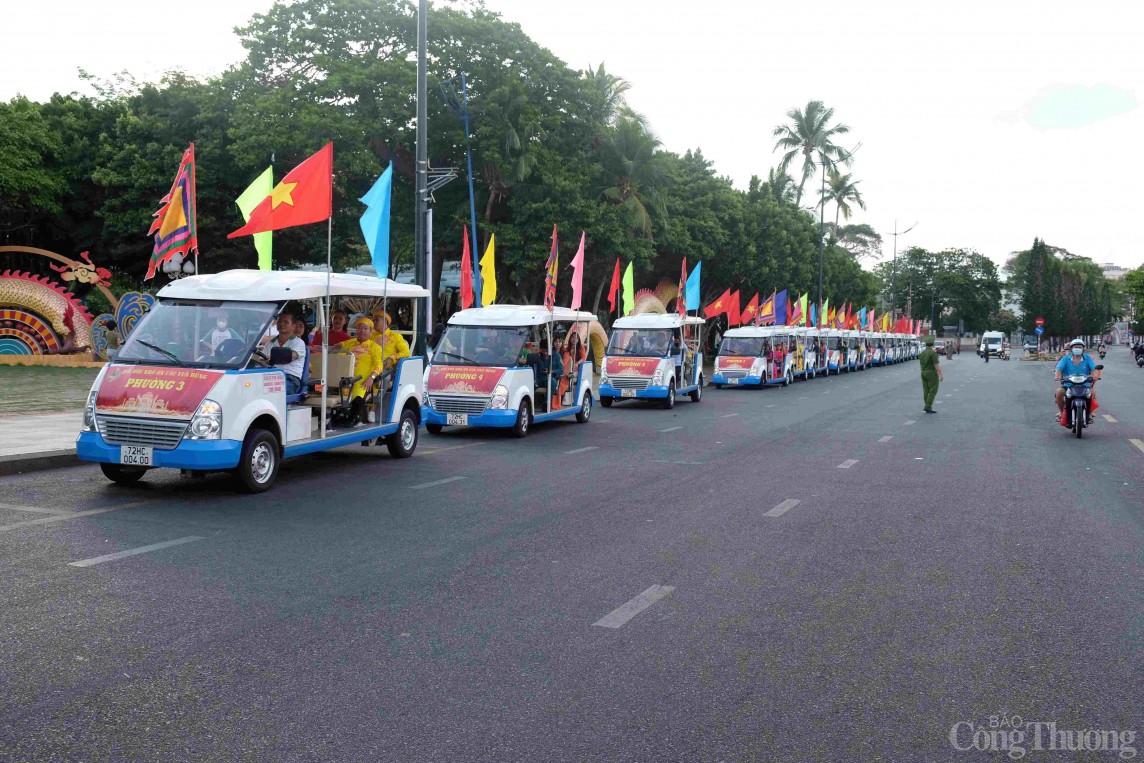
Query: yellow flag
[[489, 273]]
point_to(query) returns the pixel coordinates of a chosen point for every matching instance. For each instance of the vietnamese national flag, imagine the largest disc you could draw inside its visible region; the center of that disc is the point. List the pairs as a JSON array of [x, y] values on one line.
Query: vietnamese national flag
[[733, 309], [614, 289], [719, 306], [304, 196], [750, 312]]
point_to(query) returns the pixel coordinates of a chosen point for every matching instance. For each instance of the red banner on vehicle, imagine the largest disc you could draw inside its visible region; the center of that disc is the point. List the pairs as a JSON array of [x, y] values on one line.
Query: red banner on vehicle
[[154, 391], [735, 361], [463, 380], [632, 366]]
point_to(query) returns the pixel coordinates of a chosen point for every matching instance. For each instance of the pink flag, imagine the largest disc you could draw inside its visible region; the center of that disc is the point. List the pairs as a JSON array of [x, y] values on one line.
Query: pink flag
[[578, 275]]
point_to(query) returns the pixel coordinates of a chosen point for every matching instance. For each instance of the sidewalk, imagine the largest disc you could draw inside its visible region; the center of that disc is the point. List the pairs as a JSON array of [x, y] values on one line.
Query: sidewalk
[[30, 442]]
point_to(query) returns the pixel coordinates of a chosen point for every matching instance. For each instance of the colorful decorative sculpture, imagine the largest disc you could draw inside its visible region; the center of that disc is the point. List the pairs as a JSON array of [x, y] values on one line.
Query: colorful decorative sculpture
[[38, 317]]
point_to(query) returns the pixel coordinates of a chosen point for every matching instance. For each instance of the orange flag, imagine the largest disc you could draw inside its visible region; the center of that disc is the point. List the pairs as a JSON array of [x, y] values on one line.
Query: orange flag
[[304, 196]]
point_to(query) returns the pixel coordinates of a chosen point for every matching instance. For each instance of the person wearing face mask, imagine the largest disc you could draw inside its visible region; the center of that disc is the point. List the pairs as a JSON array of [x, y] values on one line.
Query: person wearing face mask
[[219, 334], [1075, 362]]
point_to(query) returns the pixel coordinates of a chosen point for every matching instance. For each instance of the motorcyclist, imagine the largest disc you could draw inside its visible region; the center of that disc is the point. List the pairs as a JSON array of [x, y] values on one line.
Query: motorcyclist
[[1076, 362]]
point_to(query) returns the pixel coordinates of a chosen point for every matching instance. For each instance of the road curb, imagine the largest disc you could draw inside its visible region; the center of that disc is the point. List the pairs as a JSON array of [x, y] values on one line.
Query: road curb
[[36, 462]]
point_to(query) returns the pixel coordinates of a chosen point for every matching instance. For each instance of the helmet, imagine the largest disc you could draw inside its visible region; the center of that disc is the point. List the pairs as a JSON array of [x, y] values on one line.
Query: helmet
[[1076, 343]]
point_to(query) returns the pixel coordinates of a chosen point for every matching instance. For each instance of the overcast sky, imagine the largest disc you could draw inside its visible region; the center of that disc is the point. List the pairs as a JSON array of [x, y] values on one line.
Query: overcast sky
[[986, 123]]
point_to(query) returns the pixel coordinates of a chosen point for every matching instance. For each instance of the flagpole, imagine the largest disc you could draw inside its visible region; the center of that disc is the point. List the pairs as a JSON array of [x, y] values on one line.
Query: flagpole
[[326, 328]]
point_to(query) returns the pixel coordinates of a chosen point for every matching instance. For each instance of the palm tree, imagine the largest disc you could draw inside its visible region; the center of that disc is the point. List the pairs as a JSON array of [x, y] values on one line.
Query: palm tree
[[810, 132], [634, 162], [608, 90], [780, 186], [842, 190]]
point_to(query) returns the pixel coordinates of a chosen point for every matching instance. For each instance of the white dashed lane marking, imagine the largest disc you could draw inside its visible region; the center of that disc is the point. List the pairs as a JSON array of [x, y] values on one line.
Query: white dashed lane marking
[[910, 421], [1138, 444], [38, 510], [783, 508], [619, 616], [670, 429], [580, 450], [134, 551], [848, 463], [435, 483], [1109, 419], [887, 438]]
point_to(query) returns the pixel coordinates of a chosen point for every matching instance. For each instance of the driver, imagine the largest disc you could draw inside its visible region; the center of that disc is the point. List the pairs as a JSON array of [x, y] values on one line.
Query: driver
[[1075, 362], [288, 324]]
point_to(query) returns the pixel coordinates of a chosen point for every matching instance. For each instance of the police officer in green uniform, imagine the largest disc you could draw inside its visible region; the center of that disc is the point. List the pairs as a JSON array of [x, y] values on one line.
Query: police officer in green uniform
[[931, 373]]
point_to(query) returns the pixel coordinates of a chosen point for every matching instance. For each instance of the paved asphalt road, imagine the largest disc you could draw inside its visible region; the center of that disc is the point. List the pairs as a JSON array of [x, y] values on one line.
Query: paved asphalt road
[[936, 570]]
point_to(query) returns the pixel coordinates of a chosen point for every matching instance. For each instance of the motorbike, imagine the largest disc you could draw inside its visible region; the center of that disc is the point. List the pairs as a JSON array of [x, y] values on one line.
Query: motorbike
[[1078, 401], [1102, 354], [1140, 357]]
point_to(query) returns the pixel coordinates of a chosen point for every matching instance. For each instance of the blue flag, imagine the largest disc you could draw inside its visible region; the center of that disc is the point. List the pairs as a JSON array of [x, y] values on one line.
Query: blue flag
[[375, 222], [862, 319], [691, 289], [813, 316], [781, 308]]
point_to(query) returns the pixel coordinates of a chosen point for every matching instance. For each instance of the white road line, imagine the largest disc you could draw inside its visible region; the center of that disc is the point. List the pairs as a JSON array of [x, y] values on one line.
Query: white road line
[[619, 616], [38, 510], [580, 450], [848, 463], [71, 515], [435, 451], [937, 402], [772, 405], [435, 483], [729, 415], [1138, 444], [134, 551], [949, 394], [670, 429], [887, 438], [1106, 418], [910, 421], [681, 463], [783, 507]]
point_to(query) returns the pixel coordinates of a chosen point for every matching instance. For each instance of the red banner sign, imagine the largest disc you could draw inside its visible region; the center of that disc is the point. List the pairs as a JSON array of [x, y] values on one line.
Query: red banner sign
[[463, 380], [154, 391], [632, 366], [735, 361]]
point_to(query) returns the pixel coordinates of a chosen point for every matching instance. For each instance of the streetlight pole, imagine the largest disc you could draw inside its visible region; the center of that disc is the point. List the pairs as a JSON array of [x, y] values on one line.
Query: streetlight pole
[[821, 218], [422, 274], [894, 267]]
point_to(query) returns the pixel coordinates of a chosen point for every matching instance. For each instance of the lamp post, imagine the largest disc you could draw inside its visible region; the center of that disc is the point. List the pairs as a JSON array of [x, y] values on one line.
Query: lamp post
[[821, 217], [894, 269]]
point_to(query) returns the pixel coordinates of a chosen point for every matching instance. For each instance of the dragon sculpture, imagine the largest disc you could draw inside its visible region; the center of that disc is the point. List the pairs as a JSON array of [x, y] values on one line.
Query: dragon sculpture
[[38, 317]]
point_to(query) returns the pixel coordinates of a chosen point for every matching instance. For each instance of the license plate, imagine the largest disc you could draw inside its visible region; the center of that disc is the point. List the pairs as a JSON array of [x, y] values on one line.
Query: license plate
[[457, 419], [135, 455], [627, 393], [732, 381]]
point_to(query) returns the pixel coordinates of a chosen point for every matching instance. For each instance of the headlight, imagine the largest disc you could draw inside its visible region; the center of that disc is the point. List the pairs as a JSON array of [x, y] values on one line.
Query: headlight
[[89, 413], [500, 397], [657, 378], [757, 366], [207, 423], [603, 376]]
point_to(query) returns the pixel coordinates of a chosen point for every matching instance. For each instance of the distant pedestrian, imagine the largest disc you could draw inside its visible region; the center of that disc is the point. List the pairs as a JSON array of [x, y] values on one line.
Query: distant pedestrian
[[931, 374]]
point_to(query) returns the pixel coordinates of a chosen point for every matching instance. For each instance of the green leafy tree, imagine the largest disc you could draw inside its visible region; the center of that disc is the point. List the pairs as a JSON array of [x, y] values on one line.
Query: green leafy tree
[[842, 190]]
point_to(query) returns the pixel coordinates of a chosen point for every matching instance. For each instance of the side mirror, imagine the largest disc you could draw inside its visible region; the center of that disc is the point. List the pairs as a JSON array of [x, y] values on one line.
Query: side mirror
[[1100, 368]]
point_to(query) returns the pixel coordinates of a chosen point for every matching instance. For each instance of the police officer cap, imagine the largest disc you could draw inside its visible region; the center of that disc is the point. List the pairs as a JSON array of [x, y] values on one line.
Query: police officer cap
[[929, 341]]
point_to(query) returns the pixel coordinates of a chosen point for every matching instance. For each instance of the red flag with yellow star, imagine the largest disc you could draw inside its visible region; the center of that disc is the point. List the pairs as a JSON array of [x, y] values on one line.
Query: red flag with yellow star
[[304, 196]]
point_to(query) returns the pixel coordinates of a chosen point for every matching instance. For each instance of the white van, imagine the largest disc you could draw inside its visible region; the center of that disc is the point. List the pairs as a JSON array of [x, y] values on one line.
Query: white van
[[172, 398], [991, 342], [655, 357]]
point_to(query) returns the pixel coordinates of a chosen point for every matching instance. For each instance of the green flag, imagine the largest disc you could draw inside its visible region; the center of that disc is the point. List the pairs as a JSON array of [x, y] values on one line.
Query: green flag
[[251, 198], [629, 290]]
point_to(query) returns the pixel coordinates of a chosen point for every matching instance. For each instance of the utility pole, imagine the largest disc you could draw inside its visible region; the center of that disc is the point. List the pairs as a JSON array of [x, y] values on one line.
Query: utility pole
[[822, 222], [422, 274], [894, 269]]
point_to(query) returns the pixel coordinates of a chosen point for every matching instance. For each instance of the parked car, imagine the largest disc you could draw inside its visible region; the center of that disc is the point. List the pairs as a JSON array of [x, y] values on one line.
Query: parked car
[[939, 346], [1031, 345]]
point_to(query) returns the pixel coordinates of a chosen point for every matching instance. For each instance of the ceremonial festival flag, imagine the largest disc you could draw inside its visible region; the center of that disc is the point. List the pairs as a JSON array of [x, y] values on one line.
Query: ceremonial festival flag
[[862, 319], [680, 299], [782, 307], [750, 312], [629, 290], [578, 275], [466, 272], [691, 290], [374, 221], [304, 196], [824, 318], [766, 314], [175, 225], [614, 288], [733, 309], [718, 306], [550, 271], [247, 201], [489, 273]]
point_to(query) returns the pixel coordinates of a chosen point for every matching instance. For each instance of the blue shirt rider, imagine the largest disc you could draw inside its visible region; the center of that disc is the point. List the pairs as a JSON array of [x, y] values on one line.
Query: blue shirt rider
[[1078, 363]]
